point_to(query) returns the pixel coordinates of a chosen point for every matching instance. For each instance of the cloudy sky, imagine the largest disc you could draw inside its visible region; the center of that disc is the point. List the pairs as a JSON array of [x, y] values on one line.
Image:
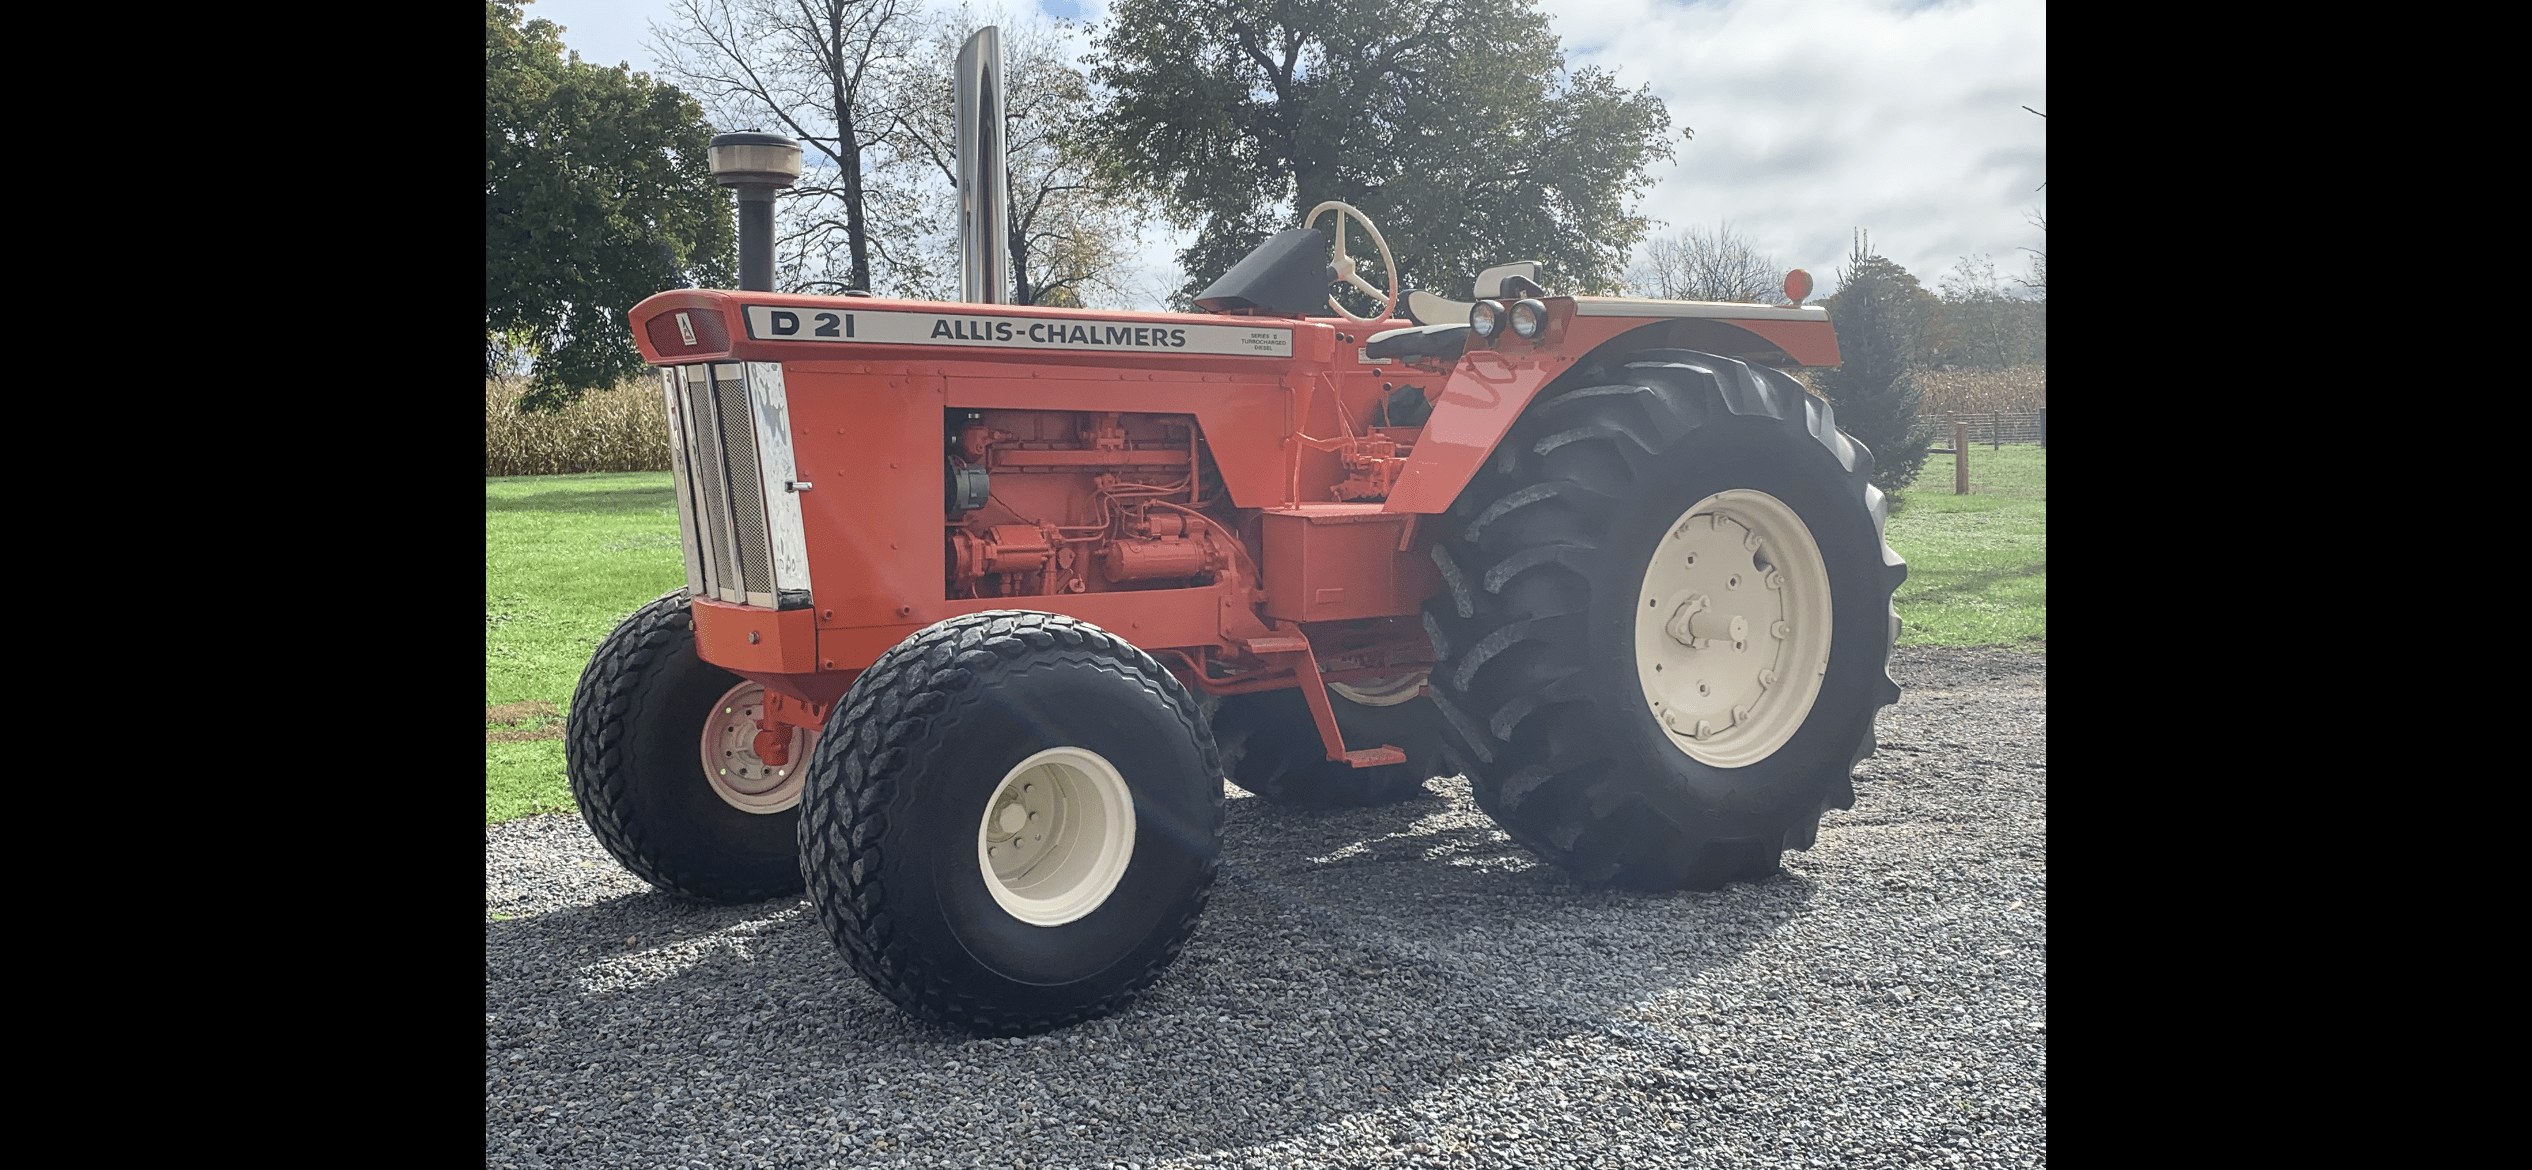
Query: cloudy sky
[[1813, 117]]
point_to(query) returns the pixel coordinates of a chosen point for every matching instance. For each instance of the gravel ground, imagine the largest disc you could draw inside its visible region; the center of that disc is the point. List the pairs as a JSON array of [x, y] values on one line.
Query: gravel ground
[[1394, 987]]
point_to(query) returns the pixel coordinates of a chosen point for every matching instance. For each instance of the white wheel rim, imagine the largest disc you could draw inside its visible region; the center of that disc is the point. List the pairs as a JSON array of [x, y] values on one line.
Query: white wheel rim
[[1056, 836], [1387, 690], [739, 776], [1732, 628]]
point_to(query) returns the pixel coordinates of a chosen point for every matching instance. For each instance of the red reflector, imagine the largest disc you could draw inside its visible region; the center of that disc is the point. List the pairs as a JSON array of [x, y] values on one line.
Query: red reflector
[[684, 332]]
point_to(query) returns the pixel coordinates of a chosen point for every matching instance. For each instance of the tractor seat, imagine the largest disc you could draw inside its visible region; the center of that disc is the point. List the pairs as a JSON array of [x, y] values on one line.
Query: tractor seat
[[1424, 308], [1503, 280], [1435, 341]]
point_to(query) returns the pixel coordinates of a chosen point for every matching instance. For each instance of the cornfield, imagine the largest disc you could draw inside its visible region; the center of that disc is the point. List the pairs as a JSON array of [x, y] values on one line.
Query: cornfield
[[1947, 392], [624, 429], [2020, 388]]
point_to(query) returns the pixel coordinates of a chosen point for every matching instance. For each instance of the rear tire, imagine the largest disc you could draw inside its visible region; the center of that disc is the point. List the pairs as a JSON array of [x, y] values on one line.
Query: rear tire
[[1012, 823], [645, 708], [1574, 701], [1277, 753]]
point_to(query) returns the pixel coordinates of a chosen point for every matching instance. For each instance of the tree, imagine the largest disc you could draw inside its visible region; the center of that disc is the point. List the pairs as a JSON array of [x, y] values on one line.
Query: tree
[[1702, 265], [1877, 311], [1072, 228], [596, 194], [821, 71], [1975, 324], [1452, 123]]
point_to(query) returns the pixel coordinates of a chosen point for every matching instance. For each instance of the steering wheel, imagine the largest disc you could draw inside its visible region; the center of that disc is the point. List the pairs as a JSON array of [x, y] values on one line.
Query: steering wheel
[[1344, 264]]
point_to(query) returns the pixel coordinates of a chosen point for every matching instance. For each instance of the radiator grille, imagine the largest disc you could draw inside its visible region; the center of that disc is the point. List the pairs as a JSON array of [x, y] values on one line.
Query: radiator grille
[[731, 525], [747, 481]]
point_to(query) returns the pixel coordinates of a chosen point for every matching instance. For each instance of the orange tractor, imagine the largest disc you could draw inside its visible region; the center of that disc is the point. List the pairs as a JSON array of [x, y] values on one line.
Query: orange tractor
[[983, 601]]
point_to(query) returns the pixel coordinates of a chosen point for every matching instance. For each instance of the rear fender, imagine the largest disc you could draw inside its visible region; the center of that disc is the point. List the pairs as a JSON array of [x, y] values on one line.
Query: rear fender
[[1490, 387], [1477, 404]]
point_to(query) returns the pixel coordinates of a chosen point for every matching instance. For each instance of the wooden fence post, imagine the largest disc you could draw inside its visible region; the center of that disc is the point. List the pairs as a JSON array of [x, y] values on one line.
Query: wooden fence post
[[1960, 458]]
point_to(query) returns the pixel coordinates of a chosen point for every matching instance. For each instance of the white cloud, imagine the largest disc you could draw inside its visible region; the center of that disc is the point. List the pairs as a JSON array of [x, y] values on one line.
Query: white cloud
[[1815, 117]]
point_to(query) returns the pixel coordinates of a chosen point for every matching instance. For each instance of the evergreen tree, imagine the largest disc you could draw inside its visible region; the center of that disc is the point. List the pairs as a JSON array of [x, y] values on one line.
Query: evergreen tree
[[1878, 311]]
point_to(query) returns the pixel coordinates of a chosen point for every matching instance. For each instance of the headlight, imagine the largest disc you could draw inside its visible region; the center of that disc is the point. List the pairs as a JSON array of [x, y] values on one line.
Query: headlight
[[1529, 318], [1485, 318]]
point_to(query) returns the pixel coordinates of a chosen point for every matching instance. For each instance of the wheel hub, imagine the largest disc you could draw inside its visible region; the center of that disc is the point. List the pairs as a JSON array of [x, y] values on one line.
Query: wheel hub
[[732, 761], [1056, 836], [1698, 625], [1732, 639]]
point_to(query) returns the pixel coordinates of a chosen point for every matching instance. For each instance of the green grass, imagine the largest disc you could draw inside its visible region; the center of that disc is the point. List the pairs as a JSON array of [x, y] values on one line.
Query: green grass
[[1977, 564], [566, 557]]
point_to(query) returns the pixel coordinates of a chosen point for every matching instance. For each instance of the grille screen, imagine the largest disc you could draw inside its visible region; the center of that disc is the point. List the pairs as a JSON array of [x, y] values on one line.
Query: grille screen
[[747, 481]]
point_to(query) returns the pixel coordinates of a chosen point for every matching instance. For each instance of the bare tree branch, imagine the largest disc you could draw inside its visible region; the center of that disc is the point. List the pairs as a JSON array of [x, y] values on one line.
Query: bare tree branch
[[1702, 265]]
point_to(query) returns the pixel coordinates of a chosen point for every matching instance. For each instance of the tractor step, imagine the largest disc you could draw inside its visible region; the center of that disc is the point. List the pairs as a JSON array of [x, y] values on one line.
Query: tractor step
[[1375, 757]]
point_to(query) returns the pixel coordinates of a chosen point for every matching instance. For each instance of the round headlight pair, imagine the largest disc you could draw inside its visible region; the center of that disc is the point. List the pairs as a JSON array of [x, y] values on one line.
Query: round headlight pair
[[1529, 318]]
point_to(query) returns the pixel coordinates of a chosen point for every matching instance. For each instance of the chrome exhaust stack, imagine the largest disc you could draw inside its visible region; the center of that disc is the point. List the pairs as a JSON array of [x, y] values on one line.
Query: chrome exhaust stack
[[984, 185]]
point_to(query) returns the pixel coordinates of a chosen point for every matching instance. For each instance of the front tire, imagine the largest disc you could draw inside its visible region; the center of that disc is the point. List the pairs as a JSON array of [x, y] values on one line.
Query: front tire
[[1012, 823], [647, 716], [1667, 622]]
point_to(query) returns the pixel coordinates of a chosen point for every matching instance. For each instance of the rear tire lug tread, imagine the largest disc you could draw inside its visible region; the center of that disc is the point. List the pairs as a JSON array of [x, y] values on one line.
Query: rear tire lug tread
[[1503, 571], [1496, 642], [1471, 738], [1614, 433], [1520, 498], [1443, 644], [1455, 580], [1507, 719]]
